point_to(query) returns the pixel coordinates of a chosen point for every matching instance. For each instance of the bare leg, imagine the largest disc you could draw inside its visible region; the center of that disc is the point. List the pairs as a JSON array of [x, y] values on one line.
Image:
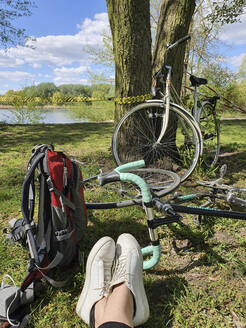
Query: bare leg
[[118, 306]]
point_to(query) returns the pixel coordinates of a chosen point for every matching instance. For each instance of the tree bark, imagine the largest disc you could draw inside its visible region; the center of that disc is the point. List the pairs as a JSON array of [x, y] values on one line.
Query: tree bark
[[173, 24], [130, 26]]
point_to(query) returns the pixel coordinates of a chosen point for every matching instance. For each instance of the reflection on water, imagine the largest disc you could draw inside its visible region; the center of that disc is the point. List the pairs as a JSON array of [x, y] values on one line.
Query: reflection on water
[[40, 115]]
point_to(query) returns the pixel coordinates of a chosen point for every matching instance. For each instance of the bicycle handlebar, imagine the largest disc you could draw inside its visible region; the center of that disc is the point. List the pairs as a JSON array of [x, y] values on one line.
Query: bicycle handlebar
[[121, 174], [155, 250], [160, 72], [130, 166], [185, 38]]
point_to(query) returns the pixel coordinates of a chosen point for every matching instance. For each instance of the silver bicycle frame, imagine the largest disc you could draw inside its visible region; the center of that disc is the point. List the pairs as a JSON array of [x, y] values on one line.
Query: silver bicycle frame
[[167, 101], [197, 111], [194, 121]]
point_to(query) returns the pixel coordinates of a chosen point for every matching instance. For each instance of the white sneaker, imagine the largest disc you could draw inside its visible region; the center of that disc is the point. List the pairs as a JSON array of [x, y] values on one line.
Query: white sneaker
[[129, 269], [98, 276]]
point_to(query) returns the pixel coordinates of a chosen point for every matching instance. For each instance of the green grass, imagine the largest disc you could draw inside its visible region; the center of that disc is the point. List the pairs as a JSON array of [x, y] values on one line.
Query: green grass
[[101, 111], [201, 278], [231, 113]]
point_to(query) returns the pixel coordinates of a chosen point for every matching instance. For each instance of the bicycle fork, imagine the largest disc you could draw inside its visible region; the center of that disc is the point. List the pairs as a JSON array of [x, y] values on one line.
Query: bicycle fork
[[165, 117]]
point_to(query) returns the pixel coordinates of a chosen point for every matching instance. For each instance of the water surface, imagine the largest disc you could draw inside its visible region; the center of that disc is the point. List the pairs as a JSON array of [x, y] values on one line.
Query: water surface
[[48, 115]]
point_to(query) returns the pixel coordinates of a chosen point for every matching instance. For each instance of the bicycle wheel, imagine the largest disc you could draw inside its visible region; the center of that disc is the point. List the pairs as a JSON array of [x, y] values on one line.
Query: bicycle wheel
[[123, 194], [161, 182], [210, 132], [136, 133]]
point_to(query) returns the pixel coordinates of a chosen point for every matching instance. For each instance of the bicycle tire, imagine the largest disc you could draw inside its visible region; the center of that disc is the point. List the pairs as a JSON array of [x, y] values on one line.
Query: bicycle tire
[[179, 150], [123, 194], [210, 132]]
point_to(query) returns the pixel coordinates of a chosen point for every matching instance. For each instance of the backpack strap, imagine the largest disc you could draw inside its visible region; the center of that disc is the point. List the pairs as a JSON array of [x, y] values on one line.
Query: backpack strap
[[56, 283], [63, 199], [26, 209]]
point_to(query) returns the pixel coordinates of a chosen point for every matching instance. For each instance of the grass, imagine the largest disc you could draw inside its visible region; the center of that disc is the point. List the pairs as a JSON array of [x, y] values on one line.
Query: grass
[[201, 278], [101, 111], [231, 113]]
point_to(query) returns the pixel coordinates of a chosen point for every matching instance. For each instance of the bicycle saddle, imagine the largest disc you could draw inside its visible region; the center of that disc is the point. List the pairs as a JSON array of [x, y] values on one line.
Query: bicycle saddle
[[196, 81]]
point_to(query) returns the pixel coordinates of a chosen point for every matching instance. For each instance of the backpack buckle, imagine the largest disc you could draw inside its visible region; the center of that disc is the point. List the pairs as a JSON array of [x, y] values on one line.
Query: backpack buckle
[[50, 184]]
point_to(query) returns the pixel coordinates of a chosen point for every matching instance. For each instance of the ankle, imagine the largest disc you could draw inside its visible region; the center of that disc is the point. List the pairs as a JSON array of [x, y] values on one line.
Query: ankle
[[99, 311]]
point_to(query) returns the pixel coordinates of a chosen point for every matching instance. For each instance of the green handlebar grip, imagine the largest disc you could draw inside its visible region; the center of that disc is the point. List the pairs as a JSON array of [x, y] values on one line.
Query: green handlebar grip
[[130, 166], [147, 197], [156, 254]]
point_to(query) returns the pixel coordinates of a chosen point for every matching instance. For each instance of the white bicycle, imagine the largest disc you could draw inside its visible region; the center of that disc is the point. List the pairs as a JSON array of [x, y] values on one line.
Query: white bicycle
[[162, 133]]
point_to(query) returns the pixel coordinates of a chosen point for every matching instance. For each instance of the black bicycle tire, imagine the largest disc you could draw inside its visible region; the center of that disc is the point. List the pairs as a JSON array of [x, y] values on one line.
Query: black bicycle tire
[[217, 148], [177, 111], [135, 200]]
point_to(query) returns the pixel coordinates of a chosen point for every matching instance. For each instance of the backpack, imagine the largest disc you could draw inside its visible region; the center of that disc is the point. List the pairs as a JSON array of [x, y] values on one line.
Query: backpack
[[54, 241]]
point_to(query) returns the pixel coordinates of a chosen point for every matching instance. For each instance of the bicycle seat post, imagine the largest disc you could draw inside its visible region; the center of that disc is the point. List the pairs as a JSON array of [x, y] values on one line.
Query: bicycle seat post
[[195, 97]]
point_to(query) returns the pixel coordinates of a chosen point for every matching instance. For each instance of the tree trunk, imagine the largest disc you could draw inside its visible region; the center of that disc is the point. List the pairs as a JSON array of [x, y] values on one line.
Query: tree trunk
[[173, 24], [130, 27]]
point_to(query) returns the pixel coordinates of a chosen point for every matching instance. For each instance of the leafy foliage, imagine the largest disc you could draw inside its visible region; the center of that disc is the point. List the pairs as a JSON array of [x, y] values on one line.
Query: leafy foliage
[[11, 10], [47, 93], [242, 68], [218, 76], [227, 11], [74, 90]]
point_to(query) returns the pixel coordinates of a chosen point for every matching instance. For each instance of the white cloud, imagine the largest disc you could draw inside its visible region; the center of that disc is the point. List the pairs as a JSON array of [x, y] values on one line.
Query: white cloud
[[235, 60], [58, 50], [35, 65], [4, 88], [7, 60], [65, 75], [234, 34], [17, 76], [14, 80], [94, 28]]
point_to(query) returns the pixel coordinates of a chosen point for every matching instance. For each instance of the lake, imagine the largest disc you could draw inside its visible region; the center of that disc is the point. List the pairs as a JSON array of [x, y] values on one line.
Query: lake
[[48, 116]]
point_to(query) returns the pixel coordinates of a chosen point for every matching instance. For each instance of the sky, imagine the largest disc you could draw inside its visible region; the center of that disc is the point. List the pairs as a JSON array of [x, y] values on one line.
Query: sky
[[62, 29]]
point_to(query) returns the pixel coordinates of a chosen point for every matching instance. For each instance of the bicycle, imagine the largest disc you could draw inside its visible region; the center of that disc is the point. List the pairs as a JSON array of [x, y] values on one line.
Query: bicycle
[[150, 200], [204, 112], [163, 133], [233, 195]]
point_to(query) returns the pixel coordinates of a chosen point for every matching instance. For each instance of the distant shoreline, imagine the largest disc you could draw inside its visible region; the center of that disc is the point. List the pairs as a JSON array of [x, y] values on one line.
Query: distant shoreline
[[45, 107]]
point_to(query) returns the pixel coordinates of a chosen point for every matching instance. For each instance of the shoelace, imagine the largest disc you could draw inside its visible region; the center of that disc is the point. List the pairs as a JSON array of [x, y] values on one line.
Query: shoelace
[[105, 289], [107, 279], [119, 270]]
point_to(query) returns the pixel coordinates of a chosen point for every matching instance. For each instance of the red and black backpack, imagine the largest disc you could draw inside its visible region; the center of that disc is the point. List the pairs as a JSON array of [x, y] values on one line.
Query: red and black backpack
[[54, 240], [53, 234]]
